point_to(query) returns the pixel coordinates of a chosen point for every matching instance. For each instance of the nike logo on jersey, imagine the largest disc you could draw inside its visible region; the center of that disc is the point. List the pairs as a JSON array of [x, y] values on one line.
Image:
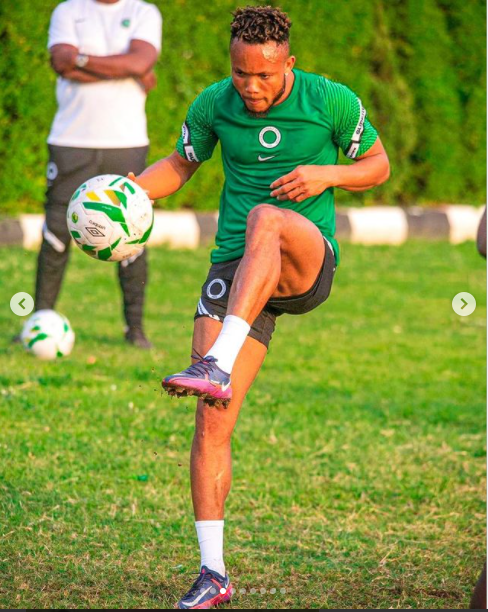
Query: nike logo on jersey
[[261, 158]]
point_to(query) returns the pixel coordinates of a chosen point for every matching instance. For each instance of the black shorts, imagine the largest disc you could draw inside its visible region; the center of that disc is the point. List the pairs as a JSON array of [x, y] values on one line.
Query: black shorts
[[216, 289]]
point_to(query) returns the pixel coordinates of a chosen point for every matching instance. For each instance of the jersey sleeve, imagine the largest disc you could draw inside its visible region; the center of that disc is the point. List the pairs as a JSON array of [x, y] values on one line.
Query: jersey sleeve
[[149, 27], [62, 27], [352, 131], [198, 139]]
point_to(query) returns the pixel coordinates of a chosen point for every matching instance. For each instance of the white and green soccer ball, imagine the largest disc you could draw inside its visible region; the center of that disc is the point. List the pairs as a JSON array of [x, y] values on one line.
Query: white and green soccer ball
[[110, 217], [48, 335]]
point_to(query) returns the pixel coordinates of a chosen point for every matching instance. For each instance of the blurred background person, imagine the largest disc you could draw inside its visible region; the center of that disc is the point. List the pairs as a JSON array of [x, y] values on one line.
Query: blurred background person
[[104, 52], [481, 236], [478, 599]]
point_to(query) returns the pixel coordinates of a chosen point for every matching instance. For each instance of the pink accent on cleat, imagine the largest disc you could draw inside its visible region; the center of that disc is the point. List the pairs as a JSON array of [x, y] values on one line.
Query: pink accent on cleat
[[203, 379]]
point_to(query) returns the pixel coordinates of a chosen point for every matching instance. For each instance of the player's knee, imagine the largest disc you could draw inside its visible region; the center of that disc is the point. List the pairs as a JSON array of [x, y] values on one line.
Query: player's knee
[[264, 217], [211, 426]]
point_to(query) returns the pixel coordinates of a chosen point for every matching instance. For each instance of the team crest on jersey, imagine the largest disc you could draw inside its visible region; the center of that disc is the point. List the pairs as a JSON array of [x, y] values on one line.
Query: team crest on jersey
[[271, 142], [125, 23], [276, 138]]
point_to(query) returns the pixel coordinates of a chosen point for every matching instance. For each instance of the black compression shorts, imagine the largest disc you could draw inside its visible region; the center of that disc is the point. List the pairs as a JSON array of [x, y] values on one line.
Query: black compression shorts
[[216, 289]]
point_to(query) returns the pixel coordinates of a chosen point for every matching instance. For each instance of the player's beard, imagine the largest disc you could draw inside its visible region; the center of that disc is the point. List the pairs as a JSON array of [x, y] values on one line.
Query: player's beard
[[262, 114]]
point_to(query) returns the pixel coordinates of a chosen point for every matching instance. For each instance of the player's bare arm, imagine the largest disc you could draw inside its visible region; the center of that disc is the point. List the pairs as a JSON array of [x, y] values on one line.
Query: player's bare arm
[[368, 171], [166, 176]]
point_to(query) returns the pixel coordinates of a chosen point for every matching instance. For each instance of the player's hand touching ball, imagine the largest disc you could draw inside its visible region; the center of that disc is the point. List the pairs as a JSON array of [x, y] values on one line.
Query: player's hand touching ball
[[132, 177], [303, 182]]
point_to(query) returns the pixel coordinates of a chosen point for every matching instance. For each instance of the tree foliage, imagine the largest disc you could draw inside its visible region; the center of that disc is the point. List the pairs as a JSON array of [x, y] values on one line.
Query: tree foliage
[[418, 66]]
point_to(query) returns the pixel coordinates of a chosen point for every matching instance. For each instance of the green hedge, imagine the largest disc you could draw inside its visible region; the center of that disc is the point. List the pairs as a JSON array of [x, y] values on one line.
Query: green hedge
[[418, 65]]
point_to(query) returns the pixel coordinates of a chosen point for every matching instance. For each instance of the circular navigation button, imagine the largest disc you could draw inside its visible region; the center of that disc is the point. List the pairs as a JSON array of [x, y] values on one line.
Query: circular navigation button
[[22, 304], [464, 304]]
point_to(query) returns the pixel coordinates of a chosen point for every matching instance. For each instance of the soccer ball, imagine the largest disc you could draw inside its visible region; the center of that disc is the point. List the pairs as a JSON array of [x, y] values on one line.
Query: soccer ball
[[110, 217], [48, 335]]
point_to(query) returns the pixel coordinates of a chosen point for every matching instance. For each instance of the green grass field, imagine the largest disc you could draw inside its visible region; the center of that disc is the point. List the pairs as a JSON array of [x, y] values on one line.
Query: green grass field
[[359, 457]]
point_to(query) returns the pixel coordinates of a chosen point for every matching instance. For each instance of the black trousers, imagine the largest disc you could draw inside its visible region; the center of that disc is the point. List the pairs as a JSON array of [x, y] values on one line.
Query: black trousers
[[67, 169]]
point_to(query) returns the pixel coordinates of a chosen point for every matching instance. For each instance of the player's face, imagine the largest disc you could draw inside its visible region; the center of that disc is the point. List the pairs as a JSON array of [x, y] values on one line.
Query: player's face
[[259, 74]]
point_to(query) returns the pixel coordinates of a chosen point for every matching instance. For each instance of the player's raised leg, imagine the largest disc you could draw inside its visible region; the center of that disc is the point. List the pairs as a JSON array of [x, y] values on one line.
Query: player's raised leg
[[283, 256], [211, 469]]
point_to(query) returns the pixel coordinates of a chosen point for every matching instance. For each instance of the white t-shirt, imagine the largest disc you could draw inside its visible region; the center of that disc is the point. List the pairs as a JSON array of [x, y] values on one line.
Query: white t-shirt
[[106, 114]]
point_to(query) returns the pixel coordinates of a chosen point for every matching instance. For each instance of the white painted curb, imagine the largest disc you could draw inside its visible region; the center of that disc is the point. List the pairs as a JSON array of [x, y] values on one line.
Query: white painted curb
[[179, 230], [463, 222], [370, 225], [32, 230], [378, 225]]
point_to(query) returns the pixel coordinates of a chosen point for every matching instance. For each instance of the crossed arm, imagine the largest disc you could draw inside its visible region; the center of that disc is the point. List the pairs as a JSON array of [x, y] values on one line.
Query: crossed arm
[[137, 63]]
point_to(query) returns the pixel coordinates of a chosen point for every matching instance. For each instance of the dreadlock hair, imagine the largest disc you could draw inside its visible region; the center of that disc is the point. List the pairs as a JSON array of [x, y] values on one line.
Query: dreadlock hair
[[257, 25]]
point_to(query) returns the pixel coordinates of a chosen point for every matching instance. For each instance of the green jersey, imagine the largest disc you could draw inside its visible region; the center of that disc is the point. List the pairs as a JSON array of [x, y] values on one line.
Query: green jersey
[[317, 118]]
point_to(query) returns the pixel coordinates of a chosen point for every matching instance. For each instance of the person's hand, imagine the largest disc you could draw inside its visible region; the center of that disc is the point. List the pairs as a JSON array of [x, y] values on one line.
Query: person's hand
[[303, 182], [133, 178], [63, 58], [148, 81]]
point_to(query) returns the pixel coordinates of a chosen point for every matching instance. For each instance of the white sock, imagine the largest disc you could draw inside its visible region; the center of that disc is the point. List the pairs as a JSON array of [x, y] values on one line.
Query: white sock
[[211, 539], [229, 342]]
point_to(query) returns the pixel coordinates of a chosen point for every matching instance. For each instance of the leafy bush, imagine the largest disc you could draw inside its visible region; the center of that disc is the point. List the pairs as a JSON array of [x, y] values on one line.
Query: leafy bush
[[418, 66]]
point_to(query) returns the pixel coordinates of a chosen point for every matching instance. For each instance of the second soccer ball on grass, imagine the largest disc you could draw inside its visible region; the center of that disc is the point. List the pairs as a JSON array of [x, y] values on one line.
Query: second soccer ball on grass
[[48, 335]]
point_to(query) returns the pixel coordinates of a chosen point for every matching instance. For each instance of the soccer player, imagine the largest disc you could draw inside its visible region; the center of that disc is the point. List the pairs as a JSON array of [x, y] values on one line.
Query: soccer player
[[280, 130]]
